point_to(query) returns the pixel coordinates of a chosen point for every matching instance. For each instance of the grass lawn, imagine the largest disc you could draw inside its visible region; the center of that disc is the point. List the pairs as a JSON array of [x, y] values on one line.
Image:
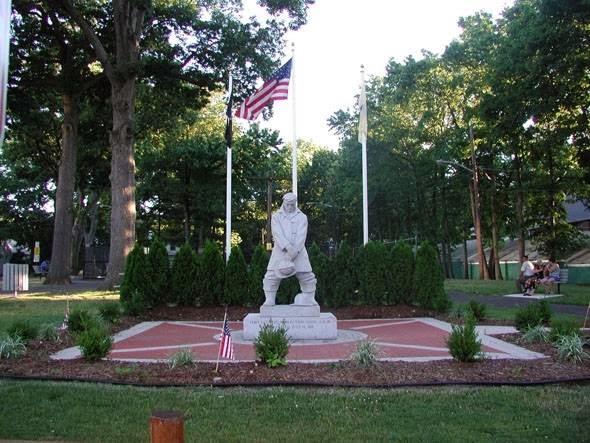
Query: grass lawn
[[34, 410], [44, 307], [573, 294]]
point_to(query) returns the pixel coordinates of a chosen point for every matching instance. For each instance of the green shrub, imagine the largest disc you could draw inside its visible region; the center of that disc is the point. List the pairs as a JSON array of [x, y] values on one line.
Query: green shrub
[[185, 280], [477, 309], [48, 332], [372, 272], [213, 270], [180, 359], [563, 327], [532, 315], [23, 329], [95, 343], [159, 265], [80, 320], [135, 305], [110, 312], [365, 353], [137, 279], [256, 273], [571, 348], [428, 280], [463, 342], [344, 281], [236, 279], [536, 334], [288, 289], [401, 275], [272, 345], [11, 347], [322, 270]]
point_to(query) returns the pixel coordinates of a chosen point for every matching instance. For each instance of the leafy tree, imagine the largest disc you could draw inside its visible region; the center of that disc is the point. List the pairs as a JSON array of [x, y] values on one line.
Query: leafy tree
[[428, 280], [236, 279]]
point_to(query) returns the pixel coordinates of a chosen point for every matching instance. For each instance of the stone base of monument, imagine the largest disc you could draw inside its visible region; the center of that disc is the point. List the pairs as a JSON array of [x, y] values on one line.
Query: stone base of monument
[[301, 322]]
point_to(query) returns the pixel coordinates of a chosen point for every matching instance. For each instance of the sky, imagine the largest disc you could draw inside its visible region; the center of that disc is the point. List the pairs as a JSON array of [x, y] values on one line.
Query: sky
[[342, 35]]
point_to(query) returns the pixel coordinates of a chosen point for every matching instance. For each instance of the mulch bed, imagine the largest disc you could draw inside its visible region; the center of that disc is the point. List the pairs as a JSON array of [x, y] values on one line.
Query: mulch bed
[[37, 364]]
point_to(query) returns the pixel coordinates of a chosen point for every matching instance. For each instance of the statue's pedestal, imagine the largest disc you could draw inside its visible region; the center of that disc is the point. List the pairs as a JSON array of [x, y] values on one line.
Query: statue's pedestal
[[302, 322]]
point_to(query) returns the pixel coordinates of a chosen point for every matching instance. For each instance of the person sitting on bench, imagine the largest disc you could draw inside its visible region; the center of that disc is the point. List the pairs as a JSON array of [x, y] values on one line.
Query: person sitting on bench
[[552, 275]]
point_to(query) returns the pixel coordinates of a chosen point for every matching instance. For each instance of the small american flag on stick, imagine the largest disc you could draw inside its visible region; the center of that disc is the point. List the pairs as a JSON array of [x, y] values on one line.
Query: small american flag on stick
[[226, 347]]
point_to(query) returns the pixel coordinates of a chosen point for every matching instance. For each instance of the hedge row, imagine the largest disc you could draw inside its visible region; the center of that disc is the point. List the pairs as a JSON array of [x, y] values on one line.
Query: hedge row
[[376, 275]]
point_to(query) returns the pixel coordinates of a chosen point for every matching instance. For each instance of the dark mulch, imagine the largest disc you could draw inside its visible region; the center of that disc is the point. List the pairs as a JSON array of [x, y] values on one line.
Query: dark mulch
[[37, 364]]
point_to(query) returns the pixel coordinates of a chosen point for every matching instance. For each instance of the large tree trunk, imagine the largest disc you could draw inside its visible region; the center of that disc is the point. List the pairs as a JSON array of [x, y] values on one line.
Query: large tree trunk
[[519, 207], [122, 181], [60, 268]]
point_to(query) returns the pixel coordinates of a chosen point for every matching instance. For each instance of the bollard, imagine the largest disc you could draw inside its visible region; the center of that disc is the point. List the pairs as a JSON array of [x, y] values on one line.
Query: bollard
[[167, 427]]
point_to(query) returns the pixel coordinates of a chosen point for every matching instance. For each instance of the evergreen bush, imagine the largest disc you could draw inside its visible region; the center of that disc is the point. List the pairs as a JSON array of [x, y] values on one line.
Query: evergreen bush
[[344, 281], [110, 312], [160, 276], [272, 345], [23, 329], [288, 289], [428, 280], [532, 315], [372, 271], [236, 279], [81, 320], [256, 272], [213, 270], [463, 342], [184, 278], [137, 279], [95, 343], [478, 310], [401, 275], [320, 265]]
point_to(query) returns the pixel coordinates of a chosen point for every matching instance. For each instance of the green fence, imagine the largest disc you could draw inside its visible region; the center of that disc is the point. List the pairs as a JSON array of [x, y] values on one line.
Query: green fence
[[579, 273]]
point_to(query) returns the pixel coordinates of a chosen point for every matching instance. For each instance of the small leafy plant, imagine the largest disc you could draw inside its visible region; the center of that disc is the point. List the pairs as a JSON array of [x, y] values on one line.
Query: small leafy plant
[[81, 320], [272, 345], [463, 342], [184, 357], [365, 353], [478, 310], [110, 312], [563, 327], [95, 343], [532, 315], [48, 332], [571, 348], [11, 347], [536, 334], [23, 329]]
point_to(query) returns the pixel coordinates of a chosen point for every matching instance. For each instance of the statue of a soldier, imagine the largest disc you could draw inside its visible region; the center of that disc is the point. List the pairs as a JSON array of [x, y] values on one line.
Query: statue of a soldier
[[289, 257]]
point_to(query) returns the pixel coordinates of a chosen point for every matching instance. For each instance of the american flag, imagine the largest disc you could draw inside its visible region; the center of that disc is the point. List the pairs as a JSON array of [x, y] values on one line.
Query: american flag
[[275, 88], [225, 345]]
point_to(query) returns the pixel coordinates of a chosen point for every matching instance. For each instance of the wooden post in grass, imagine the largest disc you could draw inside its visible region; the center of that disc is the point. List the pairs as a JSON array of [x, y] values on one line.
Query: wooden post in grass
[[167, 427]]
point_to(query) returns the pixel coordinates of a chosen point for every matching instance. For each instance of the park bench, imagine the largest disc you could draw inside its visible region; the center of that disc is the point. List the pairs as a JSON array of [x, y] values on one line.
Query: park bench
[[563, 279], [38, 272]]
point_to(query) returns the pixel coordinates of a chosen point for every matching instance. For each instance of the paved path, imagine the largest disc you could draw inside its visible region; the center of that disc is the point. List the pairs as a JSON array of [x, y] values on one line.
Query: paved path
[[411, 339]]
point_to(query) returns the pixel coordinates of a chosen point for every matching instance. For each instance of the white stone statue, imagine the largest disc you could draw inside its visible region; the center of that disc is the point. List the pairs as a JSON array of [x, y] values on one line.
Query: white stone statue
[[289, 257]]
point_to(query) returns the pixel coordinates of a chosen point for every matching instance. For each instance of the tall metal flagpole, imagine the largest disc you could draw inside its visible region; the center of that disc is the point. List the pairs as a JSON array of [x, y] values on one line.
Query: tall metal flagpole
[[363, 141], [228, 167], [294, 149]]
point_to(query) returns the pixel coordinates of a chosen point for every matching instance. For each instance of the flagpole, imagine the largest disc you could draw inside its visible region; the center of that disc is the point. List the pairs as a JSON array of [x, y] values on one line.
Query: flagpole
[[363, 140], [294, 141], [228, 168], [221, 339]]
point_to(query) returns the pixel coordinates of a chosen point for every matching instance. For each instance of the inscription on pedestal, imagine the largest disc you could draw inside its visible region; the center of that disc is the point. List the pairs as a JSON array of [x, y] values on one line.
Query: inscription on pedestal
[[322, 327]]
